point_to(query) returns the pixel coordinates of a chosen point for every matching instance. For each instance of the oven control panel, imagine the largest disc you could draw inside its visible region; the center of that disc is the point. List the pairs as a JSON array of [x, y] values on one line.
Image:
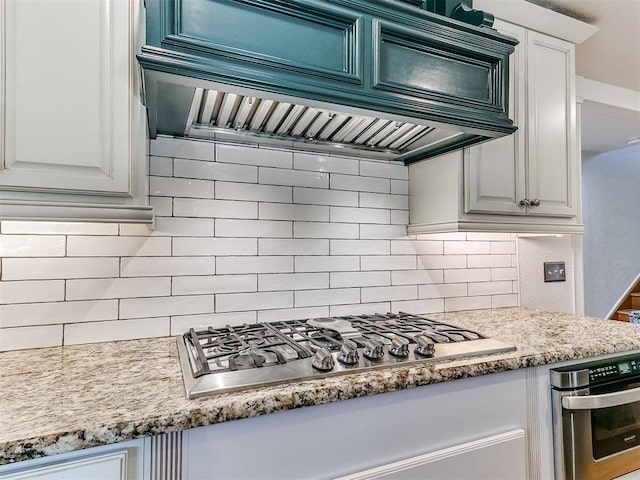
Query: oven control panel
[[614, 370]]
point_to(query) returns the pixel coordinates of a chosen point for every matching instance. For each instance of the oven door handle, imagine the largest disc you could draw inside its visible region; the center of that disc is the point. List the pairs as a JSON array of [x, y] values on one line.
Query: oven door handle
[[590, 402]]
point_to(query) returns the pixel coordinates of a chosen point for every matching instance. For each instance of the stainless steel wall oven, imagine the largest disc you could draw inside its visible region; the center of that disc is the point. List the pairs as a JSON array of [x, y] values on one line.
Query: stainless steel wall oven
[[596, 419]]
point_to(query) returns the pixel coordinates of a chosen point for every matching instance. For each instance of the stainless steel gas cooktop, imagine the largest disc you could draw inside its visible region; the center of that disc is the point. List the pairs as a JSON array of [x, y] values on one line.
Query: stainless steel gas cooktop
[[232, 358]]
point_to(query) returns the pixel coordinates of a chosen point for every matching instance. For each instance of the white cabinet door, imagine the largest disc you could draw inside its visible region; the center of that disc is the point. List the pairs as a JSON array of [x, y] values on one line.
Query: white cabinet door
[[552, 169], [70, 110], [110, 466], [499, 457], [495, 170]]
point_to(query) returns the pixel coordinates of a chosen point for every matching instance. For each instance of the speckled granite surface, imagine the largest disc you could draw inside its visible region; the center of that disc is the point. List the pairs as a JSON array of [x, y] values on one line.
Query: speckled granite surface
[[55, 400]]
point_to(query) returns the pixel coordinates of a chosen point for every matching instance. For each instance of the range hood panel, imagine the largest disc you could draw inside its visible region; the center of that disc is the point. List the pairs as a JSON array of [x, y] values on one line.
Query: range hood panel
[[358, 76]]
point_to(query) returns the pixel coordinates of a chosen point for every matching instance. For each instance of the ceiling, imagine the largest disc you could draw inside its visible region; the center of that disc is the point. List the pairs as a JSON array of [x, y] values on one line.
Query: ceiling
[[612, 56]]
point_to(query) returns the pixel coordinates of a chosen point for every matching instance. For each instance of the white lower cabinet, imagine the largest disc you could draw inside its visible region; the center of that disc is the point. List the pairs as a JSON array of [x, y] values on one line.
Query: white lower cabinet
[[123, 461], [474, 428], [499, 457]]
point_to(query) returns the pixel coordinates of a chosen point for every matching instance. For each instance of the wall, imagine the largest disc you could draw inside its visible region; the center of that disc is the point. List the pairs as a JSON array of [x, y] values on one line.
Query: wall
[[243, 235], [611, 202], [533, 252]]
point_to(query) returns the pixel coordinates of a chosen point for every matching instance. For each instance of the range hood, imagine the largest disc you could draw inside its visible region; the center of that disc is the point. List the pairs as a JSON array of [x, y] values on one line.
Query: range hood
[[375, 78]]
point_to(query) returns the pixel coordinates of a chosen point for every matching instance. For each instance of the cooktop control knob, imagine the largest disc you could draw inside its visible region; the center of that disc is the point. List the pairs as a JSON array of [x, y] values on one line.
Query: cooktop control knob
[[348, 353], [425, 346], [373, 349], [323, 360], [399, 347]]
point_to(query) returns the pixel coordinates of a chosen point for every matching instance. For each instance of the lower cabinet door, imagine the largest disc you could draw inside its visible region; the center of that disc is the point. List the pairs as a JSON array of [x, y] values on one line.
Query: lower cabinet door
[[110, 466], [498, 457]]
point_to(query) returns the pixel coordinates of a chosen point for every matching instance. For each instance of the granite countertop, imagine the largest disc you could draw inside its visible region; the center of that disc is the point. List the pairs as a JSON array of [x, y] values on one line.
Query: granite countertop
[[55, 400]]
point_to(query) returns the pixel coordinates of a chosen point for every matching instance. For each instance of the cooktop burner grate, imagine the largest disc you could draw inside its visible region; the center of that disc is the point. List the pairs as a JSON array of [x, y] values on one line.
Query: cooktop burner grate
[[235, 357]]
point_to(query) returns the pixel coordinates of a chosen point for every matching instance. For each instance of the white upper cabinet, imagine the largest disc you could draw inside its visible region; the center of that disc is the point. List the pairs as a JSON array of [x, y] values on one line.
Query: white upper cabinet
[[73, 138], [526, 182]]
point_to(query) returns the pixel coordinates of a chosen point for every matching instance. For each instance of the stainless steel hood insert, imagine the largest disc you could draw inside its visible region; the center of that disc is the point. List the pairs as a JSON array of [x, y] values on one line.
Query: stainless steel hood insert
[[377, 78]]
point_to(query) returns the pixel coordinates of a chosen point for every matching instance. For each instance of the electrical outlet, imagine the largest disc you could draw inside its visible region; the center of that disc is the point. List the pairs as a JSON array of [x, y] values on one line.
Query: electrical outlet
[[554, 272]]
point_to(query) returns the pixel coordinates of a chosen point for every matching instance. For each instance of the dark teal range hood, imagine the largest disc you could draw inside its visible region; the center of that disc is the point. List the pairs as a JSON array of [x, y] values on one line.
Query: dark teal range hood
[[375, 78]]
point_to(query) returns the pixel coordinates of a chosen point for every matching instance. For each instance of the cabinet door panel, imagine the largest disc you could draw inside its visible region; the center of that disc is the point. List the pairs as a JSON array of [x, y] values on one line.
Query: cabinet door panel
[[111, 466], [494, 171], [67, 121], [551, 125]]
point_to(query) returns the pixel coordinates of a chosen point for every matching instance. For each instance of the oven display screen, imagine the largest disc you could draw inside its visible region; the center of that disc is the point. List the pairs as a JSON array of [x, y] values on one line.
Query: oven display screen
[[624, 367]]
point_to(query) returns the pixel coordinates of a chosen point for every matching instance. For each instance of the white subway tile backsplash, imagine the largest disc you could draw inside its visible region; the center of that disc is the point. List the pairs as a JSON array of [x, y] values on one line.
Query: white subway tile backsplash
[[499, 301], [325, 163], [490, 288], [208, 284], [443, 290], [466, 303], [164, 146], [484, 261], [388, 262], [359, 309], [377, 294], [51, 313], [236, 302], [360, 184], [198, 207], [333, 263], [32, 246], [243, 234], [182, 323], [96, 246], [433, 262], [333, 296], [229, 172], [411, 247], [79, 333], [162, 306], [105, 288], [360, 215], [415, 277], [359, 279], [32, 291], [316, 196], [184, 227], [285, 246], [359, 247], [253, 228], [58, 228], [383, 231], [181, 187], [396, 171], [162, 206], [504, 274], [419, 306], [264, 157], [466, 248], [292, 281], [208, 246], [383, 200], [20, 338], [253, 192], [58, 268], [262, 264], [467, 275], [280, 211], [400, 187], [325, 230], [292, 314], [161, 166], [295, 178], [166, 266]]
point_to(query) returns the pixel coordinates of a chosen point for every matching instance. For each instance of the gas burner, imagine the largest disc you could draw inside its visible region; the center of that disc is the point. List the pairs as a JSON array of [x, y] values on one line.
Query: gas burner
[[230, 358]]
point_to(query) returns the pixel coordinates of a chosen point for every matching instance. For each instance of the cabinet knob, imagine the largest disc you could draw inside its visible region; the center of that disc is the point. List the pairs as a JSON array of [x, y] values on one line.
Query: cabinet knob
[[525, 202], [535, 202]]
